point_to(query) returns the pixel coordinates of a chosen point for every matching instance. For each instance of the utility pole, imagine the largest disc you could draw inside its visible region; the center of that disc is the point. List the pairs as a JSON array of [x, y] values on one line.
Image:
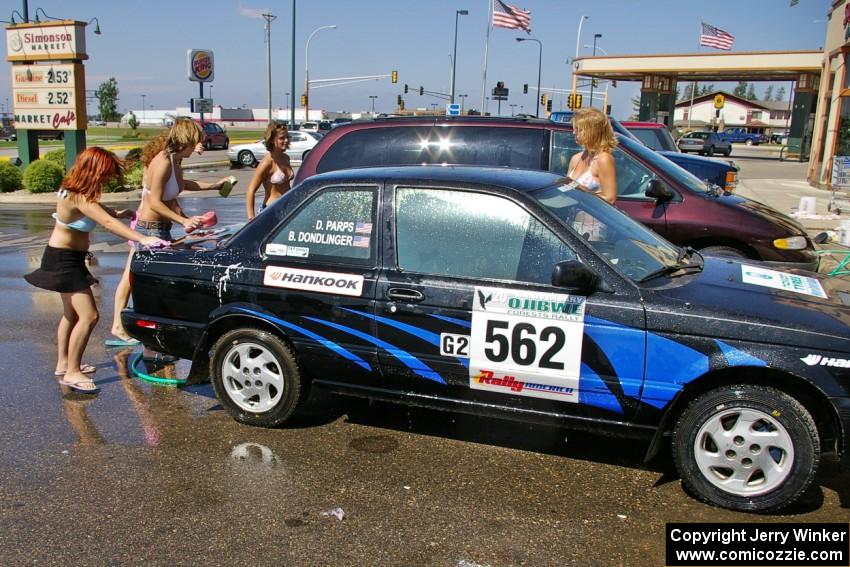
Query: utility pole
[[269, 19]]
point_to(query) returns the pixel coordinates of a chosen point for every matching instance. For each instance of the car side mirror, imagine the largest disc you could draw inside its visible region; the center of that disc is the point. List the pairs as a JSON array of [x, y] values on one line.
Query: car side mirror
[[572, 274], [657, 190]]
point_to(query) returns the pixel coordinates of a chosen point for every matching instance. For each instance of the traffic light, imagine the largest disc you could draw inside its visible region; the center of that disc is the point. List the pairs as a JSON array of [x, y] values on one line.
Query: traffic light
[[578, 101], [595, 83], [570, 101], [394, 77], [405, 88], [401, 104], [421, 91], [303, 100], [548, 106], [543, 98], [399, 101], [525, 88]]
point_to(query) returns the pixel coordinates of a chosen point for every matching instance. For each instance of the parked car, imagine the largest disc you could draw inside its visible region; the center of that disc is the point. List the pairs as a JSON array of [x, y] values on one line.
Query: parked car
[[705, 143], [779, 138], [300, 144], [687, 211], [740, 135], [509, 293], [321, 127], [216, 137], [723, 173]]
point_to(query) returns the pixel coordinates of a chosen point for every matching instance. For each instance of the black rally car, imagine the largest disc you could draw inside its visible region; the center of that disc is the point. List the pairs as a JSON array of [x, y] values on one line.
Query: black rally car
[[517, 294]]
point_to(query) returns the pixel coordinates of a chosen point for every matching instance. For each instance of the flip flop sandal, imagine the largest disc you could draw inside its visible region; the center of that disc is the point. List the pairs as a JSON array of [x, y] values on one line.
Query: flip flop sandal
[[121, 342], [76, 386], [85, 369]]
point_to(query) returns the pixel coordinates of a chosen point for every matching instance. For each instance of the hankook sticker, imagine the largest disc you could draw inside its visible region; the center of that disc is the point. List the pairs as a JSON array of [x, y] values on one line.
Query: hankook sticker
[[310, 280]]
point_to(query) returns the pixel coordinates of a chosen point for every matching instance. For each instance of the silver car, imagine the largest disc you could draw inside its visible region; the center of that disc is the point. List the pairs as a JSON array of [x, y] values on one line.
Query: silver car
[[705, 143], [300, 144]]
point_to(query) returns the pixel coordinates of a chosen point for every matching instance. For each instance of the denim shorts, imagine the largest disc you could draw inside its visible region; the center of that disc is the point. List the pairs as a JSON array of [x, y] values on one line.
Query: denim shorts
[[162, 233]]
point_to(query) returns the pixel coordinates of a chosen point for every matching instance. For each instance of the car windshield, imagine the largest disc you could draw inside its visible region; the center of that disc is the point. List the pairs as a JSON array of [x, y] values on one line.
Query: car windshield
[[658, 139], [634, 249], [660, 163], [697, 135]]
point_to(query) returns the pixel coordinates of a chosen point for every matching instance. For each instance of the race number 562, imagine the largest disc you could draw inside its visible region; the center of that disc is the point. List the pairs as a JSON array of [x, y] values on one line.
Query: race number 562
[[524, 344]]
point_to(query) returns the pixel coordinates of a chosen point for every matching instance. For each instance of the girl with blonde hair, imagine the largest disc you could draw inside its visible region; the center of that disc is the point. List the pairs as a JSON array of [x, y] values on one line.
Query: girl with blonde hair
[[594, 168], [162, 183], [274, 172]]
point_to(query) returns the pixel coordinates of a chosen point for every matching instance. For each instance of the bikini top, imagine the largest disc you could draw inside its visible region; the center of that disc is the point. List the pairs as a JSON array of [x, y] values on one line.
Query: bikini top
[[171, 189], [82, 224], [587, 179], [279, 177]]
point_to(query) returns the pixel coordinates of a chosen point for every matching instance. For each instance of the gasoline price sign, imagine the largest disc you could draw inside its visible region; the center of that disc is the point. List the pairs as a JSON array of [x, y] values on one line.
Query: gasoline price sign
[[526, 343], [48, 97]]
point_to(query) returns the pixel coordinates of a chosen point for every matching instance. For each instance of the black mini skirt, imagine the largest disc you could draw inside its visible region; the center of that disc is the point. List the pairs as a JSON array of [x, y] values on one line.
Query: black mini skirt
[[62, 270]]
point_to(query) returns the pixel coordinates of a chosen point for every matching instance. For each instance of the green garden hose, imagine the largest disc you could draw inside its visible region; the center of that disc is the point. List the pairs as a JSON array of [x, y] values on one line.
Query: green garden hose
[[153, 379]]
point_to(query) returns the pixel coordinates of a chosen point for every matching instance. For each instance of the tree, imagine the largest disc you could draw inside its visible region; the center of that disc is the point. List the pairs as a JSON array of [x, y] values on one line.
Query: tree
[[107, 97], [751, 92], [741, 89], [132, 122], [635, 108], [707, 89], [780, 94], [768, 93]]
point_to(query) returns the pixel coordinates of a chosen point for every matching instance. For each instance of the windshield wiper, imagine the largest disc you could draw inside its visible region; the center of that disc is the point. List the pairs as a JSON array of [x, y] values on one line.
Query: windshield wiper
[[683, 264]]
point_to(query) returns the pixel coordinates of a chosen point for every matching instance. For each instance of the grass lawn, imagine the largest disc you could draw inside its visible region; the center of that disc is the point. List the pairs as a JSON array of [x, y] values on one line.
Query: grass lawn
[[99, 135]]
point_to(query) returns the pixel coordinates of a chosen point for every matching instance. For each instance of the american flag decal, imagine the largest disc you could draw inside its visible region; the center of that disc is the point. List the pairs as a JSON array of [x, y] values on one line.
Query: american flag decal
[[363, 228], [511, 17]]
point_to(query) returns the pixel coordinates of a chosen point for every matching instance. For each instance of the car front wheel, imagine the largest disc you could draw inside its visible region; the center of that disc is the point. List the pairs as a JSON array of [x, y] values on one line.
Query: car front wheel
[[723, 251], [256, 377], [247, 158], [710, 151], [746, 447], [749, 142]]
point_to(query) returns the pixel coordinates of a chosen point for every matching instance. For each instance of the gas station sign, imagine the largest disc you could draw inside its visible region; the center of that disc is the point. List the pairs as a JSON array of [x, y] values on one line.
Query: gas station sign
[[48, 97], [46, 41]]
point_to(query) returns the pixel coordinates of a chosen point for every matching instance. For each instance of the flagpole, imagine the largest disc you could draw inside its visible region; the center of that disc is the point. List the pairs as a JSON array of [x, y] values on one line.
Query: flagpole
[[486, 46], [694, 83]]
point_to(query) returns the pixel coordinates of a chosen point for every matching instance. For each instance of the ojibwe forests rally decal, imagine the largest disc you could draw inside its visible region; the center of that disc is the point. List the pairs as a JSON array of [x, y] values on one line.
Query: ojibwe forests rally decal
[[526, 343], [312, 280]]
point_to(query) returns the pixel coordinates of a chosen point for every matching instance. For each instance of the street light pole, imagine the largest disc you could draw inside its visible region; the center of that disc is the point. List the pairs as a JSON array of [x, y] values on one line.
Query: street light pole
[[578, 35], [307, 70], [454, 57], [269, 19], [292, 79], [595, 37], [373, 97], [539, 68], [513, 106]]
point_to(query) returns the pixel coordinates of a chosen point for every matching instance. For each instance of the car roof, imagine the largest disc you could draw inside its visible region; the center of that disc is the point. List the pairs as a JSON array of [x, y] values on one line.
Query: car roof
[[519, 179], [638, 125], [442, 119]]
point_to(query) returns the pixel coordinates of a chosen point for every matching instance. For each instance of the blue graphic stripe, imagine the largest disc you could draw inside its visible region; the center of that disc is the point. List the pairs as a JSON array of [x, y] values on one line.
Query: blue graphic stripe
[[405, 357], [426, 336], [735, 357], [310, 334], [460, 322]]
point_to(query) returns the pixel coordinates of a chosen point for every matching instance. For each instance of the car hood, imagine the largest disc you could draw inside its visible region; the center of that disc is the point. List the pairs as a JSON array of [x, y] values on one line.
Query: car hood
[[208, 239], [731, 299], [766, 212], [680, 157]]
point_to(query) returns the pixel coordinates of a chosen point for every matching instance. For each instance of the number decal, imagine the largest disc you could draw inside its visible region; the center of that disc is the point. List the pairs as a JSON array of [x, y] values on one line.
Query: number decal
[[523, 349], [502, 354], [454, 345]]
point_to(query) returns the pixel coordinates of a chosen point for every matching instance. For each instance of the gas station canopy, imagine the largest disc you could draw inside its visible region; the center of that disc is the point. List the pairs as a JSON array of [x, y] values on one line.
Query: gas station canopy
[[737, 66]]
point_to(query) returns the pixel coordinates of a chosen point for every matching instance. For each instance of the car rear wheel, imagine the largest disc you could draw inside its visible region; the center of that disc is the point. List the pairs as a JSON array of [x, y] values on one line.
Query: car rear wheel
[[710, 151], [749, 142], [256, 377], [207, 145], [746, 447], [728, 152], [247, 158], [724, 251]]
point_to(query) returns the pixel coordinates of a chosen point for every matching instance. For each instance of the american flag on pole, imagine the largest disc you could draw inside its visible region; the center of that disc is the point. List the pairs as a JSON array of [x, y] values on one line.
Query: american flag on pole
[[711, 36], [511, 17]]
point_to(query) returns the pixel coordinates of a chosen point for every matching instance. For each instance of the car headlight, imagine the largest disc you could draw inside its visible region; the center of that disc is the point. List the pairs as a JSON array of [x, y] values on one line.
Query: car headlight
[[791, 243]]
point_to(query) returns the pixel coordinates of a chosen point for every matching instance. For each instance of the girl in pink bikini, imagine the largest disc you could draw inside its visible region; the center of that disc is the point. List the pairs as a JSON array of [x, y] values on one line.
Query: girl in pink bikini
[[274, 172], [594, 168]]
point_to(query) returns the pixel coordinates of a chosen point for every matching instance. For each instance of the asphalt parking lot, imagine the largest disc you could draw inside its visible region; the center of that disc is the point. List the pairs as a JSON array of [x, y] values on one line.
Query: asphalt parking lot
[[155, 475]]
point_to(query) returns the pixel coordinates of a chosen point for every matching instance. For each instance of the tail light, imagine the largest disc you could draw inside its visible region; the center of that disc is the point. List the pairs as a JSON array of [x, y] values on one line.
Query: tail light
[[146, 324]]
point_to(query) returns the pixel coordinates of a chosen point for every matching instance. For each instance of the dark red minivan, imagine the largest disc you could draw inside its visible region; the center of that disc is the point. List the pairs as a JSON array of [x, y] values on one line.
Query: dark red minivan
[[650, 188]]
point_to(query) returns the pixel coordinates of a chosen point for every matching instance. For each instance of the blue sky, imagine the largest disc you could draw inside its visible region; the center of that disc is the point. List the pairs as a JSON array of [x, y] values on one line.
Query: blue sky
[[144, 45]]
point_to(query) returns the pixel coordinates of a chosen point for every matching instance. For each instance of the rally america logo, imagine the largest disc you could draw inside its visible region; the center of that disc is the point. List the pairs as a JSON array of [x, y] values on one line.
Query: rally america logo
[[818, 360]]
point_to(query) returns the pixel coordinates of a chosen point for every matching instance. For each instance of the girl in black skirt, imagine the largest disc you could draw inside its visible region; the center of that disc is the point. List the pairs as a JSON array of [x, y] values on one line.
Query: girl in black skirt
[[63, 266]]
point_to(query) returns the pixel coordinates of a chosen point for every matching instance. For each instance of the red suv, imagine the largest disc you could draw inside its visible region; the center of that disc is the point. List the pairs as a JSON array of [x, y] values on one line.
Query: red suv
[[216, 137], [650, 188]]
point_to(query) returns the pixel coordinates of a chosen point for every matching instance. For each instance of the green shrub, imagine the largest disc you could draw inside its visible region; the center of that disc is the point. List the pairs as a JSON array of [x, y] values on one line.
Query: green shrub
[[133, 157], [57, 157], [10, 177], [133, 176], [42, 176]]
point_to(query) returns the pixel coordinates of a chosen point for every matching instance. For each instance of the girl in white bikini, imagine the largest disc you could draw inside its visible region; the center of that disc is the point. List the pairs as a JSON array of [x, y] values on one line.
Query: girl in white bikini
[[274, 172], [594, 168]]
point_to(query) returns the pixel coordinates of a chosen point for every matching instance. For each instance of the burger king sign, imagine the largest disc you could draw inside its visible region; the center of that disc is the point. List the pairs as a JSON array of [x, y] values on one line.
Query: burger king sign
[[201, 68]]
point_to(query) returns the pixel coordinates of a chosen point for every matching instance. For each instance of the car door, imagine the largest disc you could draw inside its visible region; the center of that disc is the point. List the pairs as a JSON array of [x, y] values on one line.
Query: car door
[[466, 306], [633, 178], [298, 144], [320, 267]]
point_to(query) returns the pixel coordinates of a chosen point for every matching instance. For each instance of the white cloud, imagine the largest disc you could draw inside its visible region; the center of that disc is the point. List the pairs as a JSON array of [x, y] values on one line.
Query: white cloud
[[251, 12]]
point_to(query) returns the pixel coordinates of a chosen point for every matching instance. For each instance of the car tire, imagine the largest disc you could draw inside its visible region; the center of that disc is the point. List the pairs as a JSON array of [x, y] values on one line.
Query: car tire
[[724, 462], [207, 145], [749, 142], [728, 152], [226, 144], [245, 157], [256, 377], [710, 151], [727, 251]]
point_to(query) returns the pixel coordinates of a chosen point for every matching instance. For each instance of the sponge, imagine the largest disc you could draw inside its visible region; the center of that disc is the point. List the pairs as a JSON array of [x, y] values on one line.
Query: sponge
[[227, 186]]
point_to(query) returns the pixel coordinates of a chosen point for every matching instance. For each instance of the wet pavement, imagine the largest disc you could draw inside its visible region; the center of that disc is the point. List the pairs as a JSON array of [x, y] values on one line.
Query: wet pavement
[[157, 475]]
